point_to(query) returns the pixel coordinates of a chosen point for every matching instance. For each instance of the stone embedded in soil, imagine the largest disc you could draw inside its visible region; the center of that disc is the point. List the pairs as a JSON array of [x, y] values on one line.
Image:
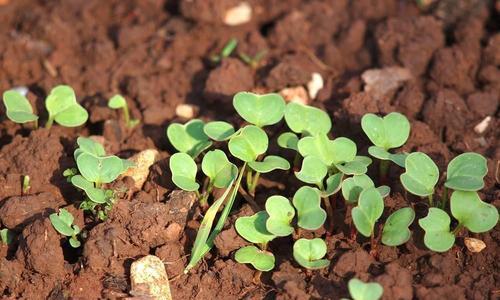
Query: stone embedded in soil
[[40, 249], [474, 245], [315, 85], [18, 211], [483, 125], [238, 15], [149, 279], [383, 82], [230, 77], [186, 111], [296, 94], [143, 161]]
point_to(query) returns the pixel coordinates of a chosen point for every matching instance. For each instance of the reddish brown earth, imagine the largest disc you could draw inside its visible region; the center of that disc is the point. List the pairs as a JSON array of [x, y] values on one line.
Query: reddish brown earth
[[156, 53]]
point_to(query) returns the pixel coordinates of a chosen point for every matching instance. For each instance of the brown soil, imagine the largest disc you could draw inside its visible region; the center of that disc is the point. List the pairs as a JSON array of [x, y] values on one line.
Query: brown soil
[[156, 53]]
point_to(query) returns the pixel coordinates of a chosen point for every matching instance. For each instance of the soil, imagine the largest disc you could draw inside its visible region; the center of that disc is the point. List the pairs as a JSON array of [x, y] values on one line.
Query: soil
[[156, 53]]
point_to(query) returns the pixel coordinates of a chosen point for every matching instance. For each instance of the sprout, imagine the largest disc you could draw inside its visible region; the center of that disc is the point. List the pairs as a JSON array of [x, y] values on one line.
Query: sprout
[[308, 204], [6, 236], [117, 102], [218, 130], [288, 140], [189, 138], [281, 214], [307, 120], [63, 223], [396, 230], [466, 172], [436, 225], [18, 107], [184, 170], [386, 133], [26, 184], [253, 61], [353, 186], [260, 259], [248, 143], [369, 209], [226, 51], [364, 291], [309, 253], [421, 175], [260, 110]]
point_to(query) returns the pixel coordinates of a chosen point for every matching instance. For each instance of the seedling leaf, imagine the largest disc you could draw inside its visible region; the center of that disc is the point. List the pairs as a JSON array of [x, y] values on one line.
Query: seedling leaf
[[63, 222], [219, 169], [306, 119], [99, 169], [309, 253], [281, 214], [260, 110], [184, 170], [338, 151], [90, 146], [117, 101], [313, 171], [63, 108], [307, 201], [188, 138], [288, 140], [6, 236], [218, 130], [388, 132], [437, 230], [381, 153], [466, 172], [353, 186], [333, 184], [421, 174], [364, 291], [253, 228], [260, 260], [396, 230], [269, 163], [472, 213], [18, 108], [248, 143], [369, 210], [95, 194]]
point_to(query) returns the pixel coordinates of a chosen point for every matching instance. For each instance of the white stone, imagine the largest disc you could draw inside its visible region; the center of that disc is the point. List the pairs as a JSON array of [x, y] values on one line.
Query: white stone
[[481, 127], [474, 245], [315, 85], [296, 94], [143, 161], [240, 14], [149, 279], [186, 111]]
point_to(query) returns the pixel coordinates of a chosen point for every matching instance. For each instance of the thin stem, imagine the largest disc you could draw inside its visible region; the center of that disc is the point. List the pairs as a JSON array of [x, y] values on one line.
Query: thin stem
[[329, 212], [126, 115], [457, 229], [49, 123], [249, 199], [431, 200], [36, 123], [254, 184], [263, 246], [444, 199], [249, 178]]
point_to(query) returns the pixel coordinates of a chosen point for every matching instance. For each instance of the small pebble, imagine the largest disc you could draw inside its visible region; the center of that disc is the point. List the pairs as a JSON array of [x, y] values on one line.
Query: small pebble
[[240, 14], [149, 279], [483, 125], [315, 85], [143, 161], [21, 90], [186, 111], [296, 94], [474, 245]]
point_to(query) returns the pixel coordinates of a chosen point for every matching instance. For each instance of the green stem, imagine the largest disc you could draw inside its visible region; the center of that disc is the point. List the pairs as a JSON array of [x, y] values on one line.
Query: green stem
[[263, 246], [444, 199], [457, 229], [329, 212], [431, 200], [36, 124], [126, 115], [98, 184], [49, 123], [249, 178], [255, 181]]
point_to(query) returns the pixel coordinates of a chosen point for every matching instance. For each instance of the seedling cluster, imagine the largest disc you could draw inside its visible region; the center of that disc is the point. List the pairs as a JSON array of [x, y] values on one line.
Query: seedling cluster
[[328, 168], [63, 223], [119, 102]]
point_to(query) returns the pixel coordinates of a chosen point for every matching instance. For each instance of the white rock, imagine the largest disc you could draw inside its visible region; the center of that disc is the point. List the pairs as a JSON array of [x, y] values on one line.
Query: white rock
[[380, 82], [187, 111], [295, 94], [21, 90], [481, 127], [149, 279], [474, 245], [143, 161], [315, 85], [240, 14]]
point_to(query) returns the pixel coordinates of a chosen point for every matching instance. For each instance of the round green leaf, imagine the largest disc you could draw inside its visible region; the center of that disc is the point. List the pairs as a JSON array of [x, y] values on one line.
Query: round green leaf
[[63, 108], [466, 172], [253, 228], [260, 260], [269, 163], [248, 143], [288, 140], [309, 253], [18, 108], [281, 214], [90, 146], [381, 153], [94, 194], [218, 130], [116, 102], [471, 212], [388, 132], [306, 119], [396, 230], [74, 242], [184, 170], [62, 222], [307, 201], [218, 168], [337, 151], [333, 184], [99, 169], [313, 171], [73, 116], [260, 110], [369, 210], [353, 186], [437, 230], [364, 291], [188, 138], [421, 174]]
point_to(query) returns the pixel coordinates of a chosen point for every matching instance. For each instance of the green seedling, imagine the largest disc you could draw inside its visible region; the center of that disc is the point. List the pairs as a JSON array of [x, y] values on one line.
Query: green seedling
[[226, 51], [353, 186], [288, 140], [360, 290], [260, 110], [309, 253], [118, 102], [26, 184], [61, 105], [281, 214], [184, 170], [396, 230], [386, 133], [260, 259], [436, 225], [219, 130], [254, 229], [6, 236], [466, 172], [307, 120], [310, 215], [369, 209], [254, 61], [63, 223], [421, 175], [189, 138]]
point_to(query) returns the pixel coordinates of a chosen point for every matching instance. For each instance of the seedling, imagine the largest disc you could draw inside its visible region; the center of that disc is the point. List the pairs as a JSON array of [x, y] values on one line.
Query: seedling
[[436, 225], [369, 209], [309, 253], [226, 51], [63, 223], [466, 172], [310, 215], [218, 130], [26, 184], [396, 230], [117, 102], [281, 214], [353, 186], [386, 133], [189, 138], [421, 175], [260, 110], [364, 291], [254, 61], [6, 236], [260, 259], [61, 105], [307, 120]]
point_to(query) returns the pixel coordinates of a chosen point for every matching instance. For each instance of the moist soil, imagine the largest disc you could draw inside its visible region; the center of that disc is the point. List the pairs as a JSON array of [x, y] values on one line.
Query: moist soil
[[156, 53]]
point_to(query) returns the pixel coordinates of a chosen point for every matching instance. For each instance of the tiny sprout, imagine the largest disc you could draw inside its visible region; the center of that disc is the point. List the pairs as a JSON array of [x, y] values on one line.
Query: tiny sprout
[[226, 51], [63, 223], [260, 110], [26, 184], [307, 120], [466, 172], [219, 130], [63, 108], [309, 253], [260, 259], [396, 230], [364, 291], [436, 225], [253, 61], [184, 170], [253, 228], [18, 107], [421, 175], [308, 204], [281, 214], [369, 209], [117, 102], [189, 138], [6, 236]]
